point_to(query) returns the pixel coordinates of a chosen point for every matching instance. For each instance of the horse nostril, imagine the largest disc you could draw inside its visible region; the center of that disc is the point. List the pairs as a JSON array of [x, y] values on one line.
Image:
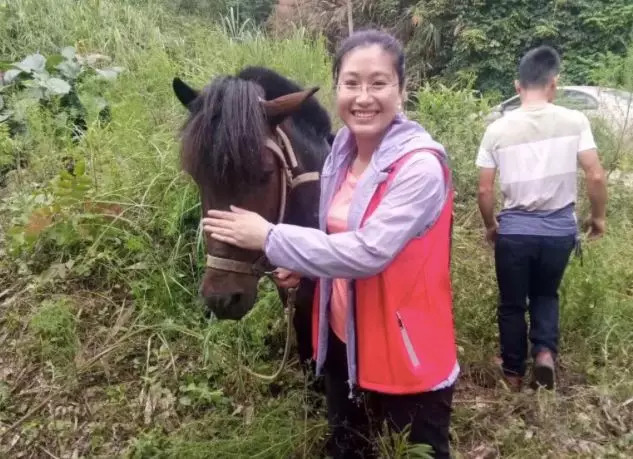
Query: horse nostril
[[228, 306], [234, 299]]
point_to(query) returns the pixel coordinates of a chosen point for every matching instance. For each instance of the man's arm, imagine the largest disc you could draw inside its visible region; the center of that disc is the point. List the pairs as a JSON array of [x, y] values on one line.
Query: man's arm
[[596, 190], [486, 195], [486, 200]]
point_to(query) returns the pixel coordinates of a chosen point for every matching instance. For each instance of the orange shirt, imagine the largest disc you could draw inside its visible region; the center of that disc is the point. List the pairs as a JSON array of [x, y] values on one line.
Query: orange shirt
[[337, 223]]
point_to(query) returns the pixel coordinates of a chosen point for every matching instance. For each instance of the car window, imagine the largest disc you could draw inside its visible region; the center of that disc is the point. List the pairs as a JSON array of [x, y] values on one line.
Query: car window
[[576, 100]]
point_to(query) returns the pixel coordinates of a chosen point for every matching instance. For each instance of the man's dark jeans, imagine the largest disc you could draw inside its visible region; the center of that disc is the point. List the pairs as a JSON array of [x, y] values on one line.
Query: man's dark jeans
[[529, 267]]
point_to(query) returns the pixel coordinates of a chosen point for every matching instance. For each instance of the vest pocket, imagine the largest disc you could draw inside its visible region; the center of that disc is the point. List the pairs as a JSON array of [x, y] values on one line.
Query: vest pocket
[[406, 340]]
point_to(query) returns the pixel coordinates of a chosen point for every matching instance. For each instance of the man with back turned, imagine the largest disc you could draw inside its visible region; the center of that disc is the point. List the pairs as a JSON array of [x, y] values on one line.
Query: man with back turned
[[536, 149]]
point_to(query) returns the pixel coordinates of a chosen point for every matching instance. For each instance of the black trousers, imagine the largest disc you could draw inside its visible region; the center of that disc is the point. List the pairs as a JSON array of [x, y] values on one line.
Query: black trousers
[[354, 423], [529, 267]]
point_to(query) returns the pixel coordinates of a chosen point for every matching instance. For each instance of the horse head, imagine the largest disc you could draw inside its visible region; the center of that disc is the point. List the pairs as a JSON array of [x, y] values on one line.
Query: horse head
[[257, 141]]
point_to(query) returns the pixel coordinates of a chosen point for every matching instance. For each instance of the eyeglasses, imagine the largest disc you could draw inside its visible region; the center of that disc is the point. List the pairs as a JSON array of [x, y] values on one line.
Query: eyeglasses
[[372, 88]]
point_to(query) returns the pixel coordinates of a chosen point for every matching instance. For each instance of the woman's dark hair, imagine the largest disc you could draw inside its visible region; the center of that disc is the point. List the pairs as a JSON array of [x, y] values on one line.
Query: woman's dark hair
[[370, 37]]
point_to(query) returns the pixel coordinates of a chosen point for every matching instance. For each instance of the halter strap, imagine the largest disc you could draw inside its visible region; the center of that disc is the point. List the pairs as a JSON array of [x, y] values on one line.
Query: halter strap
[[226, 264], [304, 178]]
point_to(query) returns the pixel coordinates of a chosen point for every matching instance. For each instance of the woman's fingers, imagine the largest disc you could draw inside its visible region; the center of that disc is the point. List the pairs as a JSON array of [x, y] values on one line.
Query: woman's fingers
[[221, 231], [241, 227], [288, 283], [285, 278], [212, 229], [214, 226], [223, 238], [239, 210], [228, 215], [219, 222], [222, 214]]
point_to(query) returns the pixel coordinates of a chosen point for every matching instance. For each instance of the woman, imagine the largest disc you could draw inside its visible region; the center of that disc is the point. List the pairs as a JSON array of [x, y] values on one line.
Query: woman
[[383, 333]]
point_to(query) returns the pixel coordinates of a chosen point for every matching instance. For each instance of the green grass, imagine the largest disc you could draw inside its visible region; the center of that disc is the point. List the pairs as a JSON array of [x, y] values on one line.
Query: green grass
[[53, 324], [104, 347]]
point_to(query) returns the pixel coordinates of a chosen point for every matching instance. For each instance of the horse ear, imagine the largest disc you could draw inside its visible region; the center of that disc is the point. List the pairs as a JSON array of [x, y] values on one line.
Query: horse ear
[[281, 107], [185, 93]]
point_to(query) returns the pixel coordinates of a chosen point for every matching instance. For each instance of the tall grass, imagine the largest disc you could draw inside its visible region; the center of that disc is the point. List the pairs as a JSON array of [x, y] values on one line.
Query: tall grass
[[144, 374], [134, 158]]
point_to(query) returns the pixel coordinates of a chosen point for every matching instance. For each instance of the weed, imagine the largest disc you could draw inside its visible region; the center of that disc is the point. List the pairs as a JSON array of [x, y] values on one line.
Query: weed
[[53, 324]]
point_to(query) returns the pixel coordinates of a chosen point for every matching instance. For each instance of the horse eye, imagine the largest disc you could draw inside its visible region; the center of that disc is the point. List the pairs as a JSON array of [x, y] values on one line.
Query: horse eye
[[265, 177]]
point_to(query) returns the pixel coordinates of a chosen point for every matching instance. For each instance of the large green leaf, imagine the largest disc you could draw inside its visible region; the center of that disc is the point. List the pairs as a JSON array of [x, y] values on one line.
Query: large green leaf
[[5, 115], [57, 86], [35, 93], [101, 103], [11, 75], [1, 103], [42, 76], [69, 69], [32, 63], [96, 103], [69, 52]]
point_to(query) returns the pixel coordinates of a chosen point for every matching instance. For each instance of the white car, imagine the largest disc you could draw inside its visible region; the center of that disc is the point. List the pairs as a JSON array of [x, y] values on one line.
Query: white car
[[612, 105]]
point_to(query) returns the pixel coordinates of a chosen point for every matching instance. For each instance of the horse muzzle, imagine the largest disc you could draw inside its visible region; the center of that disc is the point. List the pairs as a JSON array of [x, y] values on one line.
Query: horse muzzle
[[232, 306]]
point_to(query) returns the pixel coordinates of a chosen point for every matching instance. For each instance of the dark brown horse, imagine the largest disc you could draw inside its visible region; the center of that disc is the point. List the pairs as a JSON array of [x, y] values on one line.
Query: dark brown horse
[[238, 144]]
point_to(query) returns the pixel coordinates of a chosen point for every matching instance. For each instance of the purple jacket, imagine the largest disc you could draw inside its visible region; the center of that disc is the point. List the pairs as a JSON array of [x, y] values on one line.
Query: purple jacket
[[412, 203]]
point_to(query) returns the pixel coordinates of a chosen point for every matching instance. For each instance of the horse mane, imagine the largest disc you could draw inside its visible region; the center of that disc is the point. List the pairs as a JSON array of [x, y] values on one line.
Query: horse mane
[[224, 135]]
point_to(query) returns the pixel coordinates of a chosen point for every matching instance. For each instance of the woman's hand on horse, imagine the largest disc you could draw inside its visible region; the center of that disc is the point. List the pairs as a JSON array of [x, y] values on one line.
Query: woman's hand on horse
[[285, 278], [239, 227]]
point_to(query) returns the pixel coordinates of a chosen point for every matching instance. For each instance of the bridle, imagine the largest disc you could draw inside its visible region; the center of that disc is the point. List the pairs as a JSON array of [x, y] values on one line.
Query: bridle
[[290, 178]]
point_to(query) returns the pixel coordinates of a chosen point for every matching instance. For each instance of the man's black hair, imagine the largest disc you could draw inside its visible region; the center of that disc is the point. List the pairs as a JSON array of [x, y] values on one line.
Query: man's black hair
[[538, 67]]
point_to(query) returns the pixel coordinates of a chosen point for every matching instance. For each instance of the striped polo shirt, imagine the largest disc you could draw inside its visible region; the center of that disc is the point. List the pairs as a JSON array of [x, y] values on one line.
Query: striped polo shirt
[[535, 150]]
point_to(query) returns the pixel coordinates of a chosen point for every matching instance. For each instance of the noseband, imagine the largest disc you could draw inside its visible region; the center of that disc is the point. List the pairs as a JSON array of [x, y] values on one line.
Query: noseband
[[290, 178]]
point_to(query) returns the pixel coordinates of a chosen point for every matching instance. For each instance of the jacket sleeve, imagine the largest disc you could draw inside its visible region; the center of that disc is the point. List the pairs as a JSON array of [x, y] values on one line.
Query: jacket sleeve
[[411, 204]]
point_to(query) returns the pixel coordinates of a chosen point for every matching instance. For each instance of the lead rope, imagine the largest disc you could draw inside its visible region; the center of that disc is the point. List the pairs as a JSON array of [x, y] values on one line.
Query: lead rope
[[290, 307], [291, 293]]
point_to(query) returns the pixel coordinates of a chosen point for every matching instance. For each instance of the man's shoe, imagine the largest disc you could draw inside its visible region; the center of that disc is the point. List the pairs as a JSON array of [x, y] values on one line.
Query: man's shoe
[[514, 383], [543, 371]]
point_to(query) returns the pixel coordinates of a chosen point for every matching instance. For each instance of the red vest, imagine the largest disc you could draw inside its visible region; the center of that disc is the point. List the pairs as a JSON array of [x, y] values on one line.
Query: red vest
[[404, 320]]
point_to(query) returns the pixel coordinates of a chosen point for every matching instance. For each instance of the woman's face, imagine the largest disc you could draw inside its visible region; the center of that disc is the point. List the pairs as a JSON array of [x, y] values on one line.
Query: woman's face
[[368, 95]]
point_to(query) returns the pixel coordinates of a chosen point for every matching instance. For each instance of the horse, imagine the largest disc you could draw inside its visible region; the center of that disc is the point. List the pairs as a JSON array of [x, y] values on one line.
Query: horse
[[256, 140]]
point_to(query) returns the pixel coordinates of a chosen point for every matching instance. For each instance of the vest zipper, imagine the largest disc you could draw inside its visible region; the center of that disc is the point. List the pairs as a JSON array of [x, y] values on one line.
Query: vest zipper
[[354, 393], [408, 345]]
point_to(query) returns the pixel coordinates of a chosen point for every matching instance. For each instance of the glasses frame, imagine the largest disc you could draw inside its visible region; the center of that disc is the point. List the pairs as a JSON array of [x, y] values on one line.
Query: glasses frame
[[369, 88]]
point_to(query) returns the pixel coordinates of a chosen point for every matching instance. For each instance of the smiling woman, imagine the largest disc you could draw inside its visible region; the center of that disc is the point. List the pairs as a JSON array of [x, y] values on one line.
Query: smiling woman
[[383, 310]]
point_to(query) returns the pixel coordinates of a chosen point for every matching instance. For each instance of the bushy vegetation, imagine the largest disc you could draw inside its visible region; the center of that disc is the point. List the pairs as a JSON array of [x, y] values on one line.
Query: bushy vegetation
[[458, 40], [105, 349], [245, 10]]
